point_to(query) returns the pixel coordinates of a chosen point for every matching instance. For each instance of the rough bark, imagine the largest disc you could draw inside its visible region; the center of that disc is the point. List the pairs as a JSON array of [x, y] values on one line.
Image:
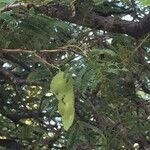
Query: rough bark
[[108, 23], [93, 20]]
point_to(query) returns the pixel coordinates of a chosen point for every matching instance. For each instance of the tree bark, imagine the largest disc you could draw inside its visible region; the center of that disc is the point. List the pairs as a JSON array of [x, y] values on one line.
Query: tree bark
[[93, 20]]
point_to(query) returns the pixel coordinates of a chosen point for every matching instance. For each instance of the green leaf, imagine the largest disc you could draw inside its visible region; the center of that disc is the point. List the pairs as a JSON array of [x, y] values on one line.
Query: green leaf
[[98, 2], [114, 71], [104, 51], [145, 2], [62, 87], [26, 131], [39, 74]]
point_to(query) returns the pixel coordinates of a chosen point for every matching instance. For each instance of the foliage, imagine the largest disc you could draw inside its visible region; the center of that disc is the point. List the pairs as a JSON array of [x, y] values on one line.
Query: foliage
[[145, 2], [65, 86]]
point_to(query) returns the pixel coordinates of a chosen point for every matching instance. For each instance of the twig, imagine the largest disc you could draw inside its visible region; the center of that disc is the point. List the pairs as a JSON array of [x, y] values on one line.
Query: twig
[[45, 62], [60, 49], [143, 41], [31, 51]]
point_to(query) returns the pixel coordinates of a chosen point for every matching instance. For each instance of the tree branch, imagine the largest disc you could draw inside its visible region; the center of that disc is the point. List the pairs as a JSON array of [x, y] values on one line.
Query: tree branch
[[17, 60], [13, 6], [15, 80], [11, 144], [92, 20], [17, 116]]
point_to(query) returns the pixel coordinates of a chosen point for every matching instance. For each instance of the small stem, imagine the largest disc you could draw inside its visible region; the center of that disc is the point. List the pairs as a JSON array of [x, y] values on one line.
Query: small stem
[[143, 41], [45, 62]]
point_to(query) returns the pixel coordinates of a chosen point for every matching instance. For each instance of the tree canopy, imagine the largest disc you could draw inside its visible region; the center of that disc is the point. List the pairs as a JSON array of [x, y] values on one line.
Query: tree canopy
[[75, 74]]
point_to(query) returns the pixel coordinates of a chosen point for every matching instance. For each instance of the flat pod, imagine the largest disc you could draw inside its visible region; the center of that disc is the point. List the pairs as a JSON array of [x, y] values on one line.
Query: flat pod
[[62, 87]]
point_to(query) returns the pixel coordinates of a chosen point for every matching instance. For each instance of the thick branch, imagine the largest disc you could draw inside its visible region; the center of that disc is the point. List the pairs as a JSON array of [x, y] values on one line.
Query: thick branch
[[11, 144], [92, 20], [17, 116], [15, 80], [17, 61], [13, 6]]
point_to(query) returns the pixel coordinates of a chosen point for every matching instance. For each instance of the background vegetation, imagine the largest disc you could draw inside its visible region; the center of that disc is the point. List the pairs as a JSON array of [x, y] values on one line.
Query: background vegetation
[[74, 74]]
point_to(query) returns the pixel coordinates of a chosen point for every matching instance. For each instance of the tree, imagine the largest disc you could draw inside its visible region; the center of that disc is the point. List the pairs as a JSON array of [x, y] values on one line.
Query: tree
[[74, 74]]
